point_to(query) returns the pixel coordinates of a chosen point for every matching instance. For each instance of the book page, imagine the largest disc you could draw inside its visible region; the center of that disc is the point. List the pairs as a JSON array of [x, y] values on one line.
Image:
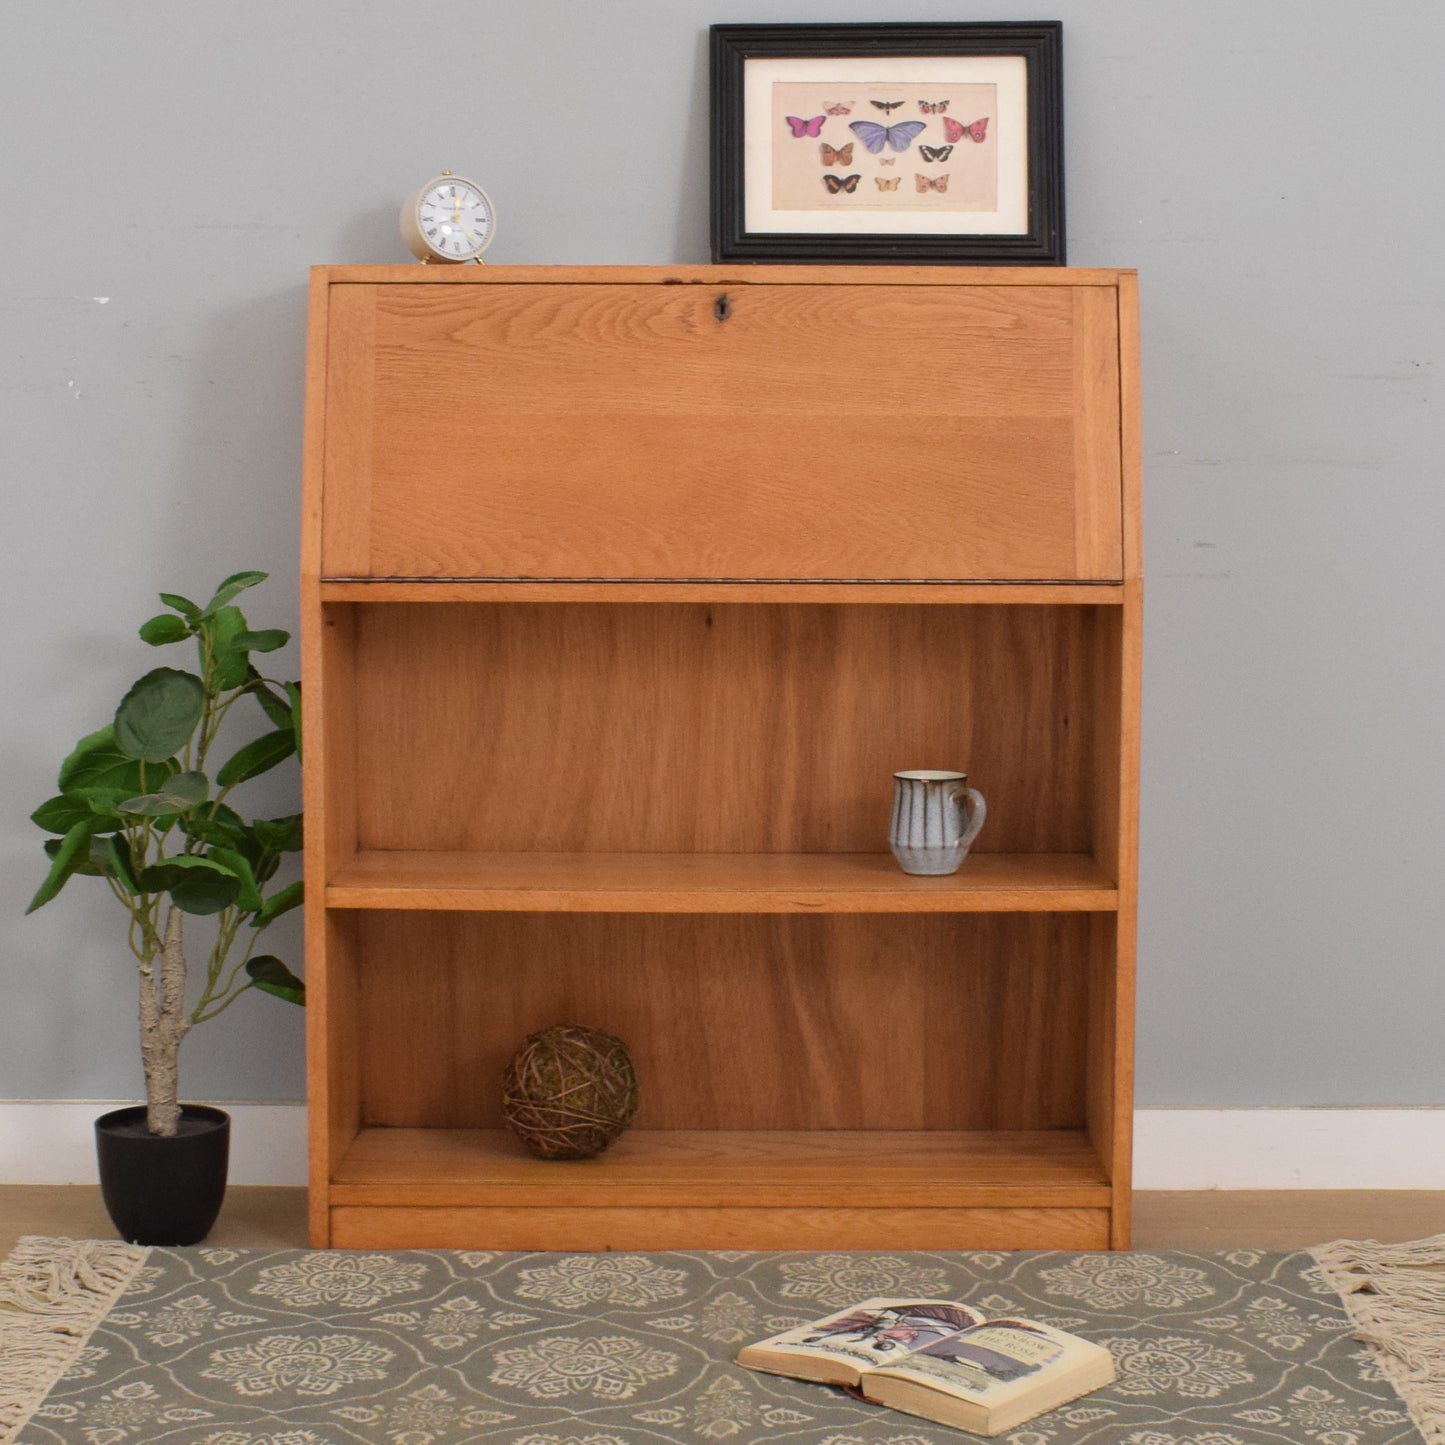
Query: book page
[[994, 1361], [876, 1331]]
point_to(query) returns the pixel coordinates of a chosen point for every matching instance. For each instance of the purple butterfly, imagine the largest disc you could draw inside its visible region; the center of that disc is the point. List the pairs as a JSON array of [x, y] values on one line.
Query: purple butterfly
[[899, 136], [803, 128]]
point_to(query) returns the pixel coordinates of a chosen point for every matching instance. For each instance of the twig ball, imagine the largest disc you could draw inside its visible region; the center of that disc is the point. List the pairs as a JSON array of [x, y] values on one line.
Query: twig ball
[[569, 1092]]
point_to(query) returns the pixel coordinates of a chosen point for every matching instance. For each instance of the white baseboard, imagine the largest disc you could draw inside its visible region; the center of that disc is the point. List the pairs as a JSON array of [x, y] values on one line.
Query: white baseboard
[[51, 1142], [1289, 1148]]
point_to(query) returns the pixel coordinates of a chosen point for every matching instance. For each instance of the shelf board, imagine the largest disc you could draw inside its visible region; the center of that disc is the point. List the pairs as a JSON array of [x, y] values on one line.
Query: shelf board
[[631, 589], [717, 883], [482, 1168]]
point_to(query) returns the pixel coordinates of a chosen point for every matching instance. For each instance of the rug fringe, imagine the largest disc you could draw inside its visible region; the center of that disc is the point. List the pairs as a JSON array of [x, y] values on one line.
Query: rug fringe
[[1395, 1296], [53, 1293]]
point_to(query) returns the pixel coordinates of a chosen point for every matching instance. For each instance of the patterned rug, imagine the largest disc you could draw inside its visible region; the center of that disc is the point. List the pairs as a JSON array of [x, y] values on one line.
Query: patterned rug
[[107, 1344]]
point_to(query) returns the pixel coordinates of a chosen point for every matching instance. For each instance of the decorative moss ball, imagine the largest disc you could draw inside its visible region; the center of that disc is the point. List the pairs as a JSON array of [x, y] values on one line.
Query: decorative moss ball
[[569, 1092]]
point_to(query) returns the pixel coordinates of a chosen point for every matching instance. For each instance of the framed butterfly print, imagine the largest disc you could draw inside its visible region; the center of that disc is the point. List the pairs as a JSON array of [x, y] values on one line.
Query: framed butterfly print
[[889, 143]]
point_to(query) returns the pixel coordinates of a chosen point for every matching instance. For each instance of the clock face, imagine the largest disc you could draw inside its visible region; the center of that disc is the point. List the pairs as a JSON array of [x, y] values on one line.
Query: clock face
[[455, 218]]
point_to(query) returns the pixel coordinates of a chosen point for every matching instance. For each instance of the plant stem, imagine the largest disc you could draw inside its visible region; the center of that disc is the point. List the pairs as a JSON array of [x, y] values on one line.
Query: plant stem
[[163, 1025]]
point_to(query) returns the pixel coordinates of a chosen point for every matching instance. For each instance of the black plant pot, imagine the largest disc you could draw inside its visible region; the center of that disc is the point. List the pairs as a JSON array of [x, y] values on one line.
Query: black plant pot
[[163, 1191]]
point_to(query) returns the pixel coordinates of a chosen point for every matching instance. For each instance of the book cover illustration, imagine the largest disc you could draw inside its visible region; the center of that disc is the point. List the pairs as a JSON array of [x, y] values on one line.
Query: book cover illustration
[[880, 1330]]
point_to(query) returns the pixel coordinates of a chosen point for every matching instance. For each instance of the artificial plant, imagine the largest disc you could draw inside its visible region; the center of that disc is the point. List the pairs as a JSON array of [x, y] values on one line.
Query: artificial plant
[[139, 807]]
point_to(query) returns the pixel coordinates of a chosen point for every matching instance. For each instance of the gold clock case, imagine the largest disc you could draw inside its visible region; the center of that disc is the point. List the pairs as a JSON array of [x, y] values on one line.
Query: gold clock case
[[415, 238]]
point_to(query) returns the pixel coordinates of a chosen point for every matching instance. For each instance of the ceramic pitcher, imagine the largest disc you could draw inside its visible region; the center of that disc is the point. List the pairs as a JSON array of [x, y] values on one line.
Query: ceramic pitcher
[[936, 815]]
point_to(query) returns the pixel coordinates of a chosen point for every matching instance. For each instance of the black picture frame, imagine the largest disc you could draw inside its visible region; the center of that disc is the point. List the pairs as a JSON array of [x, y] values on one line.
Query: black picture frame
[[1039, 43]]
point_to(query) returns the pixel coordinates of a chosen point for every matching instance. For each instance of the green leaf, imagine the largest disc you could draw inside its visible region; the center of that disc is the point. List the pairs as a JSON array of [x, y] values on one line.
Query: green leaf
[[84, 864], [293, 691], [163, 628], [229, 659], [233, 586], [218, 824], [272, 976], [115, 861], [103, 776], [257, 757], [158, 715], [195, 885], [280, 835], [248, 900], [275, 708], [180, 794], [188, 609], [60, 815], [100, 741], [71, 854], [278, 903], [267, 640]]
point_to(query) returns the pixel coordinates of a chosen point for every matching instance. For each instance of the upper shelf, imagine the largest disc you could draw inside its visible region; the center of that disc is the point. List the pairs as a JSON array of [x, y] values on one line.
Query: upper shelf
[[717, 883]]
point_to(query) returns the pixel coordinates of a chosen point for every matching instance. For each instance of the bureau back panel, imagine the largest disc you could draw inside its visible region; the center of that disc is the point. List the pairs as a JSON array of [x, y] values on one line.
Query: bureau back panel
[[680, 727]]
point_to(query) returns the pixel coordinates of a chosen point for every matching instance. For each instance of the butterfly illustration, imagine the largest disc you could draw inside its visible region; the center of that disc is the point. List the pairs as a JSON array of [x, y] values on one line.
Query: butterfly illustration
[[935, 153], [933, 107], [801, 128], [838, 107], [888, 161], [840, 157], [956, 130], [874, 136], [887, 185], [841, 183], [924, 184], [886, 106]]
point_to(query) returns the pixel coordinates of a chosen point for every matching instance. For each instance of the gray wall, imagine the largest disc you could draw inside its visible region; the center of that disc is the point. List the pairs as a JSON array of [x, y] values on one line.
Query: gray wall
[[1273, 170]]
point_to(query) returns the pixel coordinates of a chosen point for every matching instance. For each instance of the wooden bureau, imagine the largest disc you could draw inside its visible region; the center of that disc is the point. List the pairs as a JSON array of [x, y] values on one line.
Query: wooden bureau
[[625, 590]]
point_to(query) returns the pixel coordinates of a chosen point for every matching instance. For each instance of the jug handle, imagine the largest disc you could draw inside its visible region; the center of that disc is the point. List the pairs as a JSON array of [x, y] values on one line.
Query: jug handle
[[977, 812]]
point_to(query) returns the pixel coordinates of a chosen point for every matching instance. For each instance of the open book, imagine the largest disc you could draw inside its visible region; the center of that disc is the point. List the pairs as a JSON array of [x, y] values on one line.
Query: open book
[[940, 1360]]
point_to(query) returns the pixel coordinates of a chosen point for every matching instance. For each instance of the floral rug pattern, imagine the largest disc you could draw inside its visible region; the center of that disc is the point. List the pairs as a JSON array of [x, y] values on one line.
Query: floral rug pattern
[[237, 1347]]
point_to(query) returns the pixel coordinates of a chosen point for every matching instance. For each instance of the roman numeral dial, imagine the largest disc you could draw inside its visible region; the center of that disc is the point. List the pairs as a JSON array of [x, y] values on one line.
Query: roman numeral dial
[[449, 219]]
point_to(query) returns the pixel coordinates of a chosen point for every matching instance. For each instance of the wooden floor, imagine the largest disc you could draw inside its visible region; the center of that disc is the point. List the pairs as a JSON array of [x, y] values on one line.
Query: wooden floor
[[276, 1218]]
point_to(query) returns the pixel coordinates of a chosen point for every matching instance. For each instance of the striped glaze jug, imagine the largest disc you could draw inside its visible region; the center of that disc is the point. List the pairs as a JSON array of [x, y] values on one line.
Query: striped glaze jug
[[936, 816]]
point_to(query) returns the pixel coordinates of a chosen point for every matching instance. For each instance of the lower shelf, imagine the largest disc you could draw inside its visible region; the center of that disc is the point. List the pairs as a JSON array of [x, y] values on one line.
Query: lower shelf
[[445, 1188]]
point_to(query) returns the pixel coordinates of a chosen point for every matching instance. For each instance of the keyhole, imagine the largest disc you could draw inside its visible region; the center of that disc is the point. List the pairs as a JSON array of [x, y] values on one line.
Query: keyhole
[[722, 307]]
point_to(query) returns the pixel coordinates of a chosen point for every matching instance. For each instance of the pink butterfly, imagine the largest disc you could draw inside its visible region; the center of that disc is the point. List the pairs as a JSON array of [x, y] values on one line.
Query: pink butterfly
[[955, 130], [812, 127]]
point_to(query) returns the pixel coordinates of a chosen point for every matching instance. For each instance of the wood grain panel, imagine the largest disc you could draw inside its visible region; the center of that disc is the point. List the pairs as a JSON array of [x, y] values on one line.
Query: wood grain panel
[[718, 883], [934, 594], [1131, 425], [632, 432], [682, 727], [1120, 1161], [701, 1228], [1098, 502], [653, 1168], [334, 1057], [1023, 277], [347, 456], [737, 1021]]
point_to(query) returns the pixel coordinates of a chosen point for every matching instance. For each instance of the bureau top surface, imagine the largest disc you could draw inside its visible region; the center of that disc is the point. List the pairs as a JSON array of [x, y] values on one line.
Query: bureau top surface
[[735, 274]]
